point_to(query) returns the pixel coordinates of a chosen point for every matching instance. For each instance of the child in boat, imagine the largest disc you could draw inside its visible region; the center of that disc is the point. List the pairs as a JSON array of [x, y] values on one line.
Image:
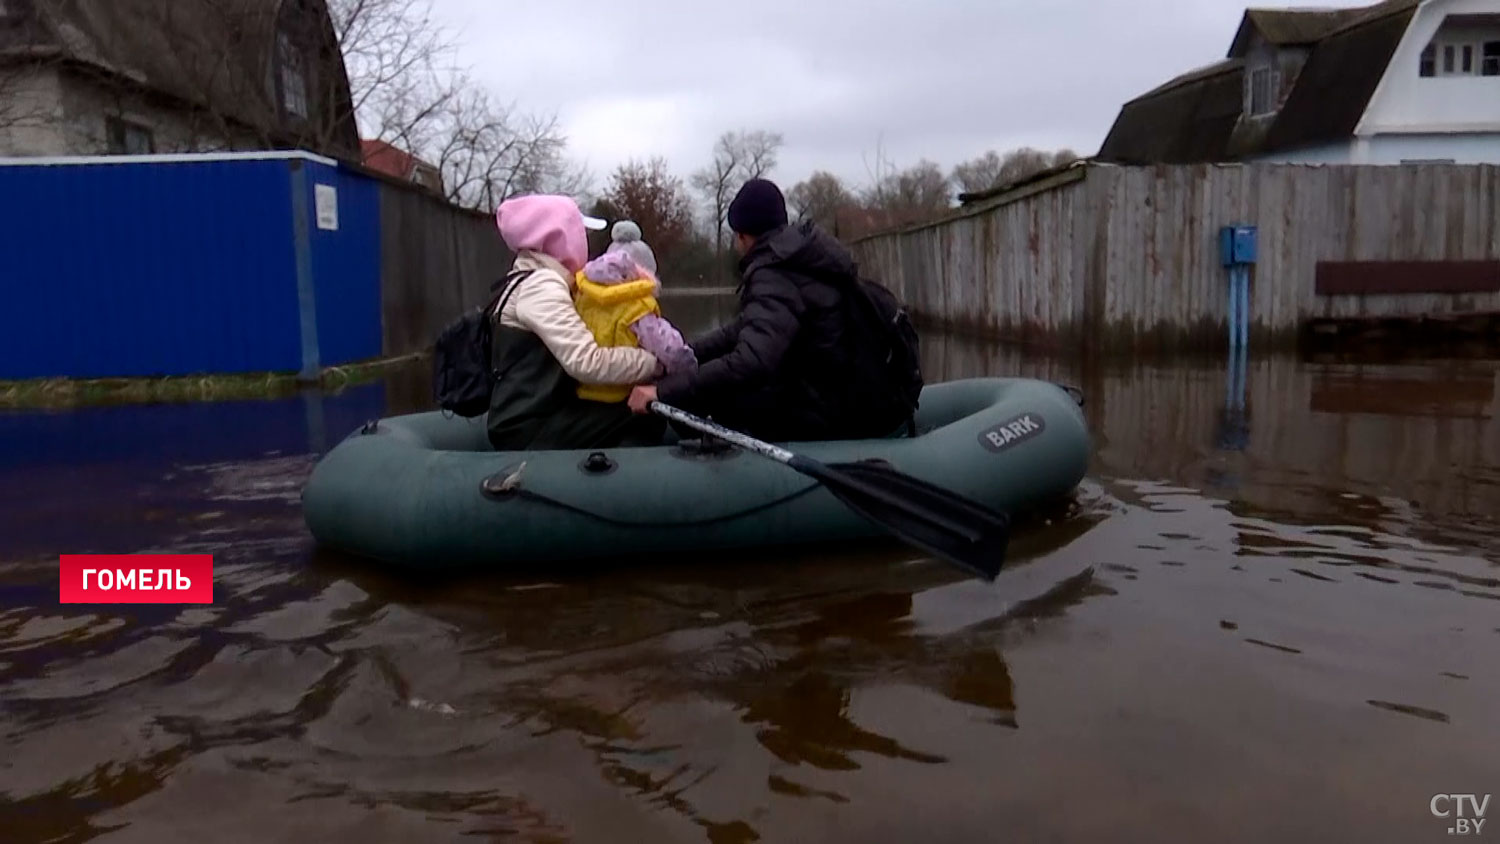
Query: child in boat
[[616, 297], [625, 236]]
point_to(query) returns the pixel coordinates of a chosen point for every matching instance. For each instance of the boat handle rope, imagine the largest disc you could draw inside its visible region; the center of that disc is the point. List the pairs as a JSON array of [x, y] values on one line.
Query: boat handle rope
[[610, 520]]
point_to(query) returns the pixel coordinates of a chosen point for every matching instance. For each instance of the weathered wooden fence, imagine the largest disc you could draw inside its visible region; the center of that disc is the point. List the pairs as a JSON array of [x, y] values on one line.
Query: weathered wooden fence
[[436, 259], [1127, 257]]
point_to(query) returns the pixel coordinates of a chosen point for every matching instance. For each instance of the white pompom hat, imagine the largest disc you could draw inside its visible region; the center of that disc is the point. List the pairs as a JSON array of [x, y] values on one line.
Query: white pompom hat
[[626, 235]]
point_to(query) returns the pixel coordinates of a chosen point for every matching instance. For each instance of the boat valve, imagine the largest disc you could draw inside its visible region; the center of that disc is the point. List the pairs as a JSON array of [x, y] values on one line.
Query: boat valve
[[598, 463]]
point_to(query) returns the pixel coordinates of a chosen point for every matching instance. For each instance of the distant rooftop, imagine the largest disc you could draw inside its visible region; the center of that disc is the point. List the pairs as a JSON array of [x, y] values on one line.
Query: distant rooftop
[[1198, 116]]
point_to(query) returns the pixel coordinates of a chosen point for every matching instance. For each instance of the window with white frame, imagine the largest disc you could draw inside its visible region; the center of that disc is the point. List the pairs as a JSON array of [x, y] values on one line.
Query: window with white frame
[[1460, 58], [1262, 92]]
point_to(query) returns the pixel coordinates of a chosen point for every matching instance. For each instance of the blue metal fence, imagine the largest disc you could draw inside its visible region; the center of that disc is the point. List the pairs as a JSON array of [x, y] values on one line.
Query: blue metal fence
[[346, 268], [174, 265]]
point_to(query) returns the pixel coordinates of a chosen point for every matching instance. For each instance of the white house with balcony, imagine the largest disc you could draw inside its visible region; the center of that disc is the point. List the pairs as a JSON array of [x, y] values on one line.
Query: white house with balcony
[[1399, 81]]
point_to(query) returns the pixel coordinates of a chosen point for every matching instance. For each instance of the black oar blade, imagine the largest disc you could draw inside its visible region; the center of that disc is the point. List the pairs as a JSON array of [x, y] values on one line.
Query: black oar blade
[[937, 520]]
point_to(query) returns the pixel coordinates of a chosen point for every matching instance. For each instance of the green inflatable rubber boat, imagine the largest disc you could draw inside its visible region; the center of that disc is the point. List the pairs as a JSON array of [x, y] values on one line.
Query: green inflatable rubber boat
[[426, 492]]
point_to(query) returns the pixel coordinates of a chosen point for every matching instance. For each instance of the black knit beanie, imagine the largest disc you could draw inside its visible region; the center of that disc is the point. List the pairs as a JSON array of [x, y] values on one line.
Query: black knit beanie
[[758, 208]]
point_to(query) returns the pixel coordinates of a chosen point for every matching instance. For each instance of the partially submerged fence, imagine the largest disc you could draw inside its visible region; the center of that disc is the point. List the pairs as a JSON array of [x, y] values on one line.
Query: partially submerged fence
[[1109, 257], [226, 263]]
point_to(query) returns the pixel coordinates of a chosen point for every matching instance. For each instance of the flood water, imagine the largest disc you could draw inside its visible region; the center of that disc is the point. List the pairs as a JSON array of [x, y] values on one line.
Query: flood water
[[1290, 634]]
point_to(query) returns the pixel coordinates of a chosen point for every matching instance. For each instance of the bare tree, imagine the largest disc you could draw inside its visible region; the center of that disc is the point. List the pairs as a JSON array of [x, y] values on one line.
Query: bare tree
[[1020, 163], [394, 54], [488, 153], [404, 91], [738, 157], [717, 184], [881, 175], [923, 190], [758, 152], [992, 170], [822, 198], [978, 174], [917, 193]]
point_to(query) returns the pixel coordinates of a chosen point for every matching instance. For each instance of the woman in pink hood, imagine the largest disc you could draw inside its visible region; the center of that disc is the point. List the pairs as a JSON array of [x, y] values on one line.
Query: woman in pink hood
[[541, 349]]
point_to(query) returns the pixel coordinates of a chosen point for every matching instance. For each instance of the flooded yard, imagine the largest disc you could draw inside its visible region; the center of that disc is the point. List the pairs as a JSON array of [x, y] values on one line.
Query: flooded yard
[[1290, 634]]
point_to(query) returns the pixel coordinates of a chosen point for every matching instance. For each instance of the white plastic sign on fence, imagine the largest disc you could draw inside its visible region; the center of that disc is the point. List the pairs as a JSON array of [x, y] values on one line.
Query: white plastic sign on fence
[[326, 198]]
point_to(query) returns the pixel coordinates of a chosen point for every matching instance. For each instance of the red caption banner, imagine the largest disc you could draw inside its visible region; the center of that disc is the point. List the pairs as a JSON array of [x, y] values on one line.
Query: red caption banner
[[136, 579]]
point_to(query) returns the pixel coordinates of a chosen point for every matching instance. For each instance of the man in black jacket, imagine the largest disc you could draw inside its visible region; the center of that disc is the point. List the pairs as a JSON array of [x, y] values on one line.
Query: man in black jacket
[[783, 368]]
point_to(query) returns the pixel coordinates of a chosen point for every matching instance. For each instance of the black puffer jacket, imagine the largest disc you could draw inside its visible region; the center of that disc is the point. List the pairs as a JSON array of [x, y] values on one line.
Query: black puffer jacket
[[781, 369]]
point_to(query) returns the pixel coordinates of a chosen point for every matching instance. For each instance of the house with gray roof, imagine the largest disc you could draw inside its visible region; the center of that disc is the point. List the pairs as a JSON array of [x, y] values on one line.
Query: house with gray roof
[[101, 77], [1399, 81]]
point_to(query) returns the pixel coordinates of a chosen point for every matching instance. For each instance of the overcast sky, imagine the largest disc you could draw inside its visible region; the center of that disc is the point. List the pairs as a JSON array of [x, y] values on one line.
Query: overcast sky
[[945, 79]]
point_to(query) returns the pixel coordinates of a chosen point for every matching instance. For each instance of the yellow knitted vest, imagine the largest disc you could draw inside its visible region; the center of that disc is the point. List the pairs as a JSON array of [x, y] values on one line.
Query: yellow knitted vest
[[608, 310]]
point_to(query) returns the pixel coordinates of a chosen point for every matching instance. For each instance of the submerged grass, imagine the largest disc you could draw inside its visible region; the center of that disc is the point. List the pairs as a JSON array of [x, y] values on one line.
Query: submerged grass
[[63, 393]]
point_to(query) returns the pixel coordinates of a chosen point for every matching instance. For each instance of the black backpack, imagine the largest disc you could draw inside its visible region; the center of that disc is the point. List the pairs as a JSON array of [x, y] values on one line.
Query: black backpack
[[896, 365], [463, 376]]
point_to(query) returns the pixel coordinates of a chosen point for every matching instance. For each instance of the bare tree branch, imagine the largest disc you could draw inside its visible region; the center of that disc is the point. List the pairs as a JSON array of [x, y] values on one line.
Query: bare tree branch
[[715, 183], [394, 54], [978, 174], [822, 199], [758, 153], [992, 170], [738, 157], [405, 91]]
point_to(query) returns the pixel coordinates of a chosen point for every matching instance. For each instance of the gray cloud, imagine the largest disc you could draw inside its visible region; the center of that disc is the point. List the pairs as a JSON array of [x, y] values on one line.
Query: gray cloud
[[945, 80]]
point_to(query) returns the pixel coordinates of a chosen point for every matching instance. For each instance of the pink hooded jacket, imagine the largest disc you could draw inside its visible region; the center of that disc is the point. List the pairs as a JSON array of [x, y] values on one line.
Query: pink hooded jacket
[[551, 225], [548, 236]]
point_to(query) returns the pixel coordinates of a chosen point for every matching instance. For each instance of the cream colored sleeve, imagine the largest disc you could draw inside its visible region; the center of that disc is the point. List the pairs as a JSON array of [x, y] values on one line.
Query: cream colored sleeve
[[543, 306]]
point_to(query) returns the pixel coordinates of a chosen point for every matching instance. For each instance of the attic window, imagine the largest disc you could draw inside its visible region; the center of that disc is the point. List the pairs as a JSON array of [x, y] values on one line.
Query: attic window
[[1262, 91], [293, 76], [1460, 59]]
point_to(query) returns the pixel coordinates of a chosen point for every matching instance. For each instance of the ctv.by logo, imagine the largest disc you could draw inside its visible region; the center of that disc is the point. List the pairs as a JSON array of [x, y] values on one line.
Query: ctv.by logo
[[1465, 821]]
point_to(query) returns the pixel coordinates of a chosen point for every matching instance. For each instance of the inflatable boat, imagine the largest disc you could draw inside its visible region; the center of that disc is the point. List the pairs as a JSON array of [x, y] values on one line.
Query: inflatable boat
[[426, 492]]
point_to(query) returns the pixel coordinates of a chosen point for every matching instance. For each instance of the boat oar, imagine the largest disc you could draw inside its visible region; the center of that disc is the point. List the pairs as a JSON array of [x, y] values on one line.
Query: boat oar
[[939, 521]]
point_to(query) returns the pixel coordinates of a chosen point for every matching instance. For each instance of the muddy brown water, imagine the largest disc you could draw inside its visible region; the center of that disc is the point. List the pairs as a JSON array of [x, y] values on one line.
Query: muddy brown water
[[1292, 633]]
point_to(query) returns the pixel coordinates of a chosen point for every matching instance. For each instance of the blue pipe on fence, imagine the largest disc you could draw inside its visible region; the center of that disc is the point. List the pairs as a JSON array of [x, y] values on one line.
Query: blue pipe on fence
[[1234, 307], [1237, 253], [1234, 394], [1244, 294]]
